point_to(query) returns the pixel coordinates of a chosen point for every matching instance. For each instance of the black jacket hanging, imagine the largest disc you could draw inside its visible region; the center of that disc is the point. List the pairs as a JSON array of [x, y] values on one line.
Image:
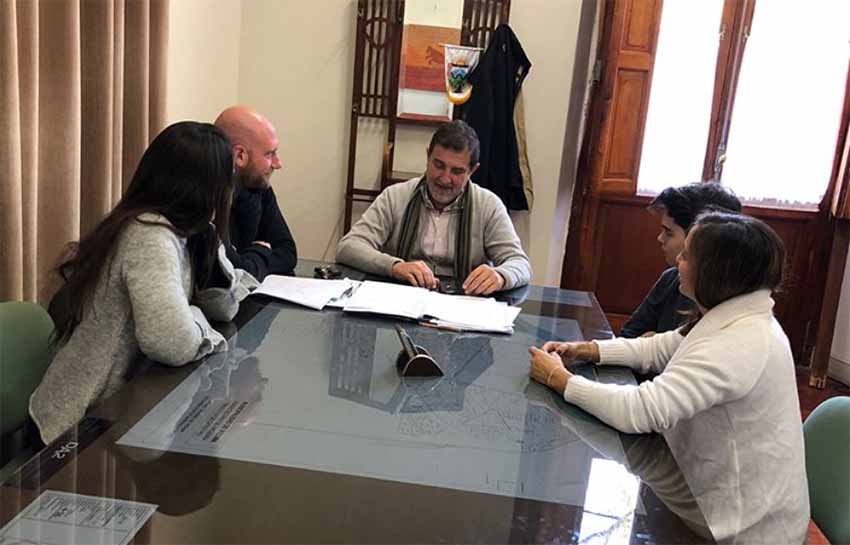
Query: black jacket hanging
[[490, 111]]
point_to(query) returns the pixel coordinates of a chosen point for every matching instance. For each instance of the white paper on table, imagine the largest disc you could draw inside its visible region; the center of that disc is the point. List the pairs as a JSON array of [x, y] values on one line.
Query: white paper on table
[[313, 293], [470, 313], [389, 299], [61, 518], [451, 311], [494, 326]]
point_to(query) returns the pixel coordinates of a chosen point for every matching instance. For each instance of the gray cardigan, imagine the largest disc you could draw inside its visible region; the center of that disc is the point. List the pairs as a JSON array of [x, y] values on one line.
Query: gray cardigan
[[372, 243], [141, 306]]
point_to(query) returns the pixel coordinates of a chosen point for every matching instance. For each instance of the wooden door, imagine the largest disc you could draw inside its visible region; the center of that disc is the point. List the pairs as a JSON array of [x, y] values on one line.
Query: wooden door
[[611, 247], [609, 227]]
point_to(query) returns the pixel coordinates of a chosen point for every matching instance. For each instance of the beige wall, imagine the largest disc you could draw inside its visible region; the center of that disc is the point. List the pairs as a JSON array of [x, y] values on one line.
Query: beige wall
[[296, 67], [547, 31], [445, 13], [294, 64], [203, 58]]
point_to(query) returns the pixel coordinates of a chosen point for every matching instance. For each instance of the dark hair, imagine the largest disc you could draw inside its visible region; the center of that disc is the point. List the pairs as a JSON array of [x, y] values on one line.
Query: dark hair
[[457, 136], [733, 254], [185, 175], [685, 203]]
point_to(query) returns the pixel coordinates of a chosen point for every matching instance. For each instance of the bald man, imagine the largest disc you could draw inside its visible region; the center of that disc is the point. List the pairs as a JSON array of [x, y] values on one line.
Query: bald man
[[260, 239]]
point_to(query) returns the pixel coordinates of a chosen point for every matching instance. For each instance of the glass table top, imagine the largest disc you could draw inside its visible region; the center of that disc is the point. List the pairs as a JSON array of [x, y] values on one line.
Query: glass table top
[[304, 431]]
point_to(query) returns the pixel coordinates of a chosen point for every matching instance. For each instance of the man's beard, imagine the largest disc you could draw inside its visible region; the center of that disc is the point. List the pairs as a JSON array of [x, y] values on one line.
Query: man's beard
[[245, 179]]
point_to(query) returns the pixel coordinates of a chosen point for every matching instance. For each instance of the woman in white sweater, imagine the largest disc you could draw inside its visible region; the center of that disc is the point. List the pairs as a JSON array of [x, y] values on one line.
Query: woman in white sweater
[[726, 396], [147, 279]]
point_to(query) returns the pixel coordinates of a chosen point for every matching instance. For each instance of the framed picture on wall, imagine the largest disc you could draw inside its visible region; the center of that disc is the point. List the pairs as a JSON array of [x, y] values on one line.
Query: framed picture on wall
[[422, 80]]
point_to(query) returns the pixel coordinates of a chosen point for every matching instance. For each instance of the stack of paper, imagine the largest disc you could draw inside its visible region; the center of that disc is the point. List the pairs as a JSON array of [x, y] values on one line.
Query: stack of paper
[[449, 311], [390, 299], [310, 292], [470, 313]]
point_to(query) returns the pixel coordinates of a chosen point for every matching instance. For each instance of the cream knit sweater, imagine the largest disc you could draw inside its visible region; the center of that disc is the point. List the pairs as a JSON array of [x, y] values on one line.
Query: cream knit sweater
[[372, 243], [726, 402]]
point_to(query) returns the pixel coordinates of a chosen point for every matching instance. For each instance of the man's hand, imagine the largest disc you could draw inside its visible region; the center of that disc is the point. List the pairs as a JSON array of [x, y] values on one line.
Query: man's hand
[[548, 369], [417, 273], [263, 243], [484, 280]]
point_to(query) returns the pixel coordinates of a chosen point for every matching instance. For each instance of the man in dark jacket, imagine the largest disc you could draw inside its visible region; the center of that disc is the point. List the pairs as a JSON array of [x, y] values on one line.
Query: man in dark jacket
[[260, 239], [664, 307]]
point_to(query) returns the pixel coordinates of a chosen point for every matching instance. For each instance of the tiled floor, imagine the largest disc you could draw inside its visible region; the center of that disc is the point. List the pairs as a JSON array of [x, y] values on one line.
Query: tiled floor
[[812, 397]]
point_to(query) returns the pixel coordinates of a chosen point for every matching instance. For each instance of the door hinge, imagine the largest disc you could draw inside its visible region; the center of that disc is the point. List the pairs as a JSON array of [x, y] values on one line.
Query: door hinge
[[597, 71], [719, 161]]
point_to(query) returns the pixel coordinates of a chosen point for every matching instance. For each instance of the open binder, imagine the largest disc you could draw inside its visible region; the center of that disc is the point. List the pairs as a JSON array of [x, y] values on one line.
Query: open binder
[[457, 312]]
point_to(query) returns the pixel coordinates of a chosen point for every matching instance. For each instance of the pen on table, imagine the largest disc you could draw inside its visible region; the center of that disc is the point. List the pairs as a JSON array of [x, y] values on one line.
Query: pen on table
[[344, 295], [441, 326]]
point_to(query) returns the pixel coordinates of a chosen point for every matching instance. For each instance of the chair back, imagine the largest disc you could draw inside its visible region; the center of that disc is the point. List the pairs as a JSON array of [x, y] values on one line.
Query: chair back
[[25, 330], [827, 437]]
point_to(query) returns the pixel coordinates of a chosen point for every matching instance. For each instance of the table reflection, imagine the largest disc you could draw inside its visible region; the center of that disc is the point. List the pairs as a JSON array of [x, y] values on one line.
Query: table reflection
[[308, 402]]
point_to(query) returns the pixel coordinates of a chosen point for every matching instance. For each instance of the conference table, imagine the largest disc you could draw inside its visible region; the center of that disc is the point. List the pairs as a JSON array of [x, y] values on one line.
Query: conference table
[[303, 431]]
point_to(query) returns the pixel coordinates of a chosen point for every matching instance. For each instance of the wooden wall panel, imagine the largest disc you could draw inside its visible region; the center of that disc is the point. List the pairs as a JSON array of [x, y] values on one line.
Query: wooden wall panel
[[628, 260], [639, 34], [626, 121], [792, 305], [625, 277]]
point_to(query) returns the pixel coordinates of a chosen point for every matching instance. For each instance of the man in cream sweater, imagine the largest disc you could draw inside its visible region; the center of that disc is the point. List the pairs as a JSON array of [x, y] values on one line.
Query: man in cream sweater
[[440, 225]]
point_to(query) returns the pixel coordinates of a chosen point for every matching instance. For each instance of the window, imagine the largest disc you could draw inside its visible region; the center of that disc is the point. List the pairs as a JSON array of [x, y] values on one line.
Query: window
[[677, 121], [779, 117]]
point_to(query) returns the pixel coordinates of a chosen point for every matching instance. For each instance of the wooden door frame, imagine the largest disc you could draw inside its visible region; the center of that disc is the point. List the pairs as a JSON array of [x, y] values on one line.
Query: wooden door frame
[[572, 269], [736, 20], [835, 205]]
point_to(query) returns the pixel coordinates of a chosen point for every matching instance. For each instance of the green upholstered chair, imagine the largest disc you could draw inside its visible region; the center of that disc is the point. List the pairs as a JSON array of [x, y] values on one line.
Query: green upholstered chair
[[827, 436], [25, 330]]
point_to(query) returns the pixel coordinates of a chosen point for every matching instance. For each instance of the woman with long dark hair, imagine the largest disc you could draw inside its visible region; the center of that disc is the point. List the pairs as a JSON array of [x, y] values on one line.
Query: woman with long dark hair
[[726, 396], [146, 279]]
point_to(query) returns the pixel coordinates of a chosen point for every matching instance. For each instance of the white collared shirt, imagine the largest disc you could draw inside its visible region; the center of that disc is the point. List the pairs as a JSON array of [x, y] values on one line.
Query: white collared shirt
[[438, 232]]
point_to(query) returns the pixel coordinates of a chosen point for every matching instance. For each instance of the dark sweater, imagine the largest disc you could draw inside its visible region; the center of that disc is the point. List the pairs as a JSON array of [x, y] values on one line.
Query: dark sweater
[[662, 308], [255, 215]]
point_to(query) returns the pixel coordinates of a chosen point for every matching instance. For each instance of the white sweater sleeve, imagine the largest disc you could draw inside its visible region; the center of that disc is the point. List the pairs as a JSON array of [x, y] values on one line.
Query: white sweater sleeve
[[644, 354], [706, 372]]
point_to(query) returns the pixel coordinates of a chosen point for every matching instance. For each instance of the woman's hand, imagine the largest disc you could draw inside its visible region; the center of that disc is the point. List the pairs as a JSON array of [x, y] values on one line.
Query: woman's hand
[[547, 368], [571, 352]]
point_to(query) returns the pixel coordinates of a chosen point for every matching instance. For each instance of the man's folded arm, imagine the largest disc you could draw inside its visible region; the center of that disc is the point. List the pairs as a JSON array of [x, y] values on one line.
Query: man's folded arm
[[361, 246], [273, 229]]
